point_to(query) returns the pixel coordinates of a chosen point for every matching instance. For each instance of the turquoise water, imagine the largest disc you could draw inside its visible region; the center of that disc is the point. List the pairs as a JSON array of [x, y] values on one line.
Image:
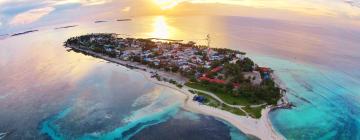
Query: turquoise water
[[327, 103], [49, 128], [47, 92]]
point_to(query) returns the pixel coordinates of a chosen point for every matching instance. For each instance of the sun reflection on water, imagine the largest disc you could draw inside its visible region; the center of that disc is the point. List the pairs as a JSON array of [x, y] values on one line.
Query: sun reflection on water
[[161, 28]]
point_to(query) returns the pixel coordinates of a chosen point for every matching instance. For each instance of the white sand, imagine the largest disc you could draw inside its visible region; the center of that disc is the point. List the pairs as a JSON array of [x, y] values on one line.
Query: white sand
[[260, 128]]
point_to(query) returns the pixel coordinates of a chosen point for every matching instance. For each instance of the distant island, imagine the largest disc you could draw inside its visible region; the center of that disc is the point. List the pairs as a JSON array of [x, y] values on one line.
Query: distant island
[[100, 21], [126, 19], [64, 27], [222, 78], [26, 32]]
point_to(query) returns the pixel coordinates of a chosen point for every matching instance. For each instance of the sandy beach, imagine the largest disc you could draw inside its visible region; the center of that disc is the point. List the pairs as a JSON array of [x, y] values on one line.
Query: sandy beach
[[261, 128]]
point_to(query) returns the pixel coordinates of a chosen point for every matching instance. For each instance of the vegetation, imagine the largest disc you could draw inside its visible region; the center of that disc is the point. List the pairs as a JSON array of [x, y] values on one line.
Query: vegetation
[[246, 94], [246, 64], [210, 101], [254, 112], [218, 91]]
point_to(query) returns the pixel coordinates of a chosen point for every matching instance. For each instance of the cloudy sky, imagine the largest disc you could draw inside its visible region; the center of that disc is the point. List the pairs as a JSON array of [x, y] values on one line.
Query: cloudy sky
[[25, 13]]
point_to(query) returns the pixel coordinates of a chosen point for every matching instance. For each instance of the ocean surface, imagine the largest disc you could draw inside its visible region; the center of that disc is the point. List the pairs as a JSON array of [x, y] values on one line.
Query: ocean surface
[[48, 92]]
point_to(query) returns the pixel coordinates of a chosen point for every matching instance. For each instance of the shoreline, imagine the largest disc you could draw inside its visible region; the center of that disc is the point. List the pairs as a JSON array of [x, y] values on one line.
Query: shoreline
[[260, 128]]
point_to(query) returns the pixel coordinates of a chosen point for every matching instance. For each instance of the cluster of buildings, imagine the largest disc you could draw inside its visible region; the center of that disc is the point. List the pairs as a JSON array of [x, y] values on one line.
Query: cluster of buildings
[[185, 57], [168, 55]]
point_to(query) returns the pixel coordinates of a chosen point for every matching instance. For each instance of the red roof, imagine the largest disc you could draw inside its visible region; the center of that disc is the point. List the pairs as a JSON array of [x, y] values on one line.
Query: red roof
[[236, 85], [264, 69], [218, 81], [217, 69]]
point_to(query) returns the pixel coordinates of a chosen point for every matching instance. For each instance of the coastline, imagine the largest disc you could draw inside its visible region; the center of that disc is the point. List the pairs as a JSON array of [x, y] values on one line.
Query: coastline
[[260, 128]]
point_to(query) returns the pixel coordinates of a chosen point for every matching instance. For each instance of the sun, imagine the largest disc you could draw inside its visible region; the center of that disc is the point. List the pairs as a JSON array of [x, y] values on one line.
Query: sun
[[166, 4]]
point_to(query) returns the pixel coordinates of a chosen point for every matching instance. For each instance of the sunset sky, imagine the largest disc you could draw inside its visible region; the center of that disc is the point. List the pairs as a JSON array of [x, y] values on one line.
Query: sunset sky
[[20, 13]]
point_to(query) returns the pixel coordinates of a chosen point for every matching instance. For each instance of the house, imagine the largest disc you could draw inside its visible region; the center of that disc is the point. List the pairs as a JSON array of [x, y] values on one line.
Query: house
[[184, 67], [108, 48], [156, 63], [175, 45], [266, 76], [147, 53], [240, 56], [265, 72], [207, 64], [182, 62], [211, 52], [148, 59]]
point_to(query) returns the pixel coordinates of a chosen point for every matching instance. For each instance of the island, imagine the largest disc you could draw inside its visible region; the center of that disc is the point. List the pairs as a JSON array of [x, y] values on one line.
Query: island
[[126, 19], [26, 32], [65, 27], [218, 78], [100, 21]]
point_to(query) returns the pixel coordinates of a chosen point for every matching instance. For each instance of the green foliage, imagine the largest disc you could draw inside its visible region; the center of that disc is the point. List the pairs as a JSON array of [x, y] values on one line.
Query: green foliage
[[219, 91], [246, 94], [193, 79], [179, 85], [136, 58], [246, 64], [210, 101], [254, 112], [234, 72], [174, 69], [215, 64]]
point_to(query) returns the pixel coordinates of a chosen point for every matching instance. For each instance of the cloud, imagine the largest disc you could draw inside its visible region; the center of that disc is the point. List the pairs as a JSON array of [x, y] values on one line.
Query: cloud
[[1, 20], [31, 16], [126, 9], [355, 3], [27, 11], [82, 2]]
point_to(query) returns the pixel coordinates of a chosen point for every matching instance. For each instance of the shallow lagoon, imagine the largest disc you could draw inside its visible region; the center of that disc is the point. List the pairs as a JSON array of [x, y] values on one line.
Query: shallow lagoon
[[49, 91]]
